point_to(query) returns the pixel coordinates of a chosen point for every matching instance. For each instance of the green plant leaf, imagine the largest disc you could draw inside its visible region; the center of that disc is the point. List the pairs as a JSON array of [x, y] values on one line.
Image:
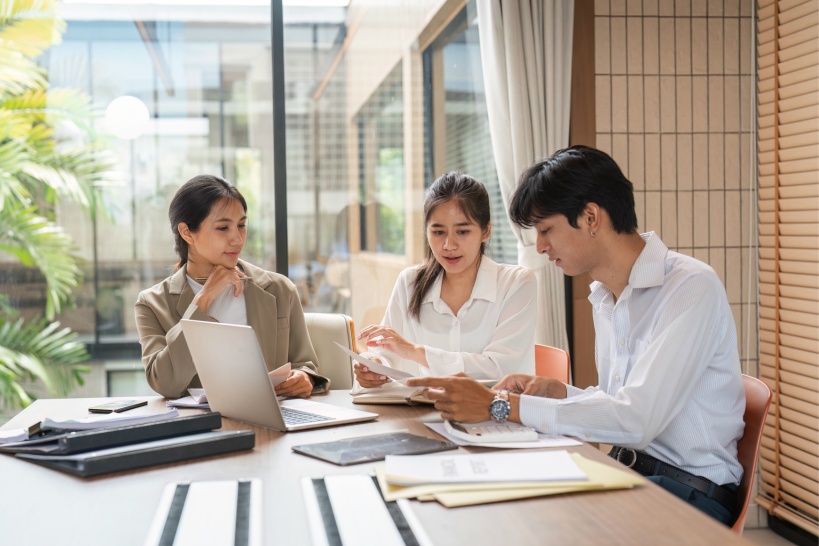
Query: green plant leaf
[[38, 350], [39, 243]]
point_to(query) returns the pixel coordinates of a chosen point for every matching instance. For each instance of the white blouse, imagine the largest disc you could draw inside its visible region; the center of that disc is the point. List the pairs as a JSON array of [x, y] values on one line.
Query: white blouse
[[491, 336]]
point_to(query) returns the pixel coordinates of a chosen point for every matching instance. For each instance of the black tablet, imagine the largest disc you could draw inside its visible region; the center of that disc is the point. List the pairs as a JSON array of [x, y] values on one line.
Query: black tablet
[[363, 449]]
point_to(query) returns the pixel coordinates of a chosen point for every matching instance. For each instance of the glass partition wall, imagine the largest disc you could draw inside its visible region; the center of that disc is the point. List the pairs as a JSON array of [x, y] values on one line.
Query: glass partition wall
[[376, 107], [393, 102]]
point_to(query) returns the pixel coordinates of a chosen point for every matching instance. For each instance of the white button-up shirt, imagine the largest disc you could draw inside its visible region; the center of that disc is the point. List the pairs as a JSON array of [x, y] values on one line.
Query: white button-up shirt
[[669, 372], [491, 336]]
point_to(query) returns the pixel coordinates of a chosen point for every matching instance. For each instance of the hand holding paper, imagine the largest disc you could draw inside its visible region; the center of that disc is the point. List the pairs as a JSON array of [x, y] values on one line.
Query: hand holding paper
[[396, 375], [280, 374]]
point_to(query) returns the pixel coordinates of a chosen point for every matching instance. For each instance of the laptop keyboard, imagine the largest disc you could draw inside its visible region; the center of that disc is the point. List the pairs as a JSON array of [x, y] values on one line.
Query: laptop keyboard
[[296, 417]]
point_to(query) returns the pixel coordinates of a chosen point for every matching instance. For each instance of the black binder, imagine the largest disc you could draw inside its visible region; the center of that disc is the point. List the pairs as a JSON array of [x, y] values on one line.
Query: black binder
[[66, 443], [129, 457]]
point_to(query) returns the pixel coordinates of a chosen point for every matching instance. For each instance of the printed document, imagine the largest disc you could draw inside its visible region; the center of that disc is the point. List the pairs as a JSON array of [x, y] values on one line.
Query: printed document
[[538, 466]]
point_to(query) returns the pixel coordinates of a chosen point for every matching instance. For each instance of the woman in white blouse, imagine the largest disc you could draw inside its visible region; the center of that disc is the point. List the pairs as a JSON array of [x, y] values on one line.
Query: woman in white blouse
[[458, 312]]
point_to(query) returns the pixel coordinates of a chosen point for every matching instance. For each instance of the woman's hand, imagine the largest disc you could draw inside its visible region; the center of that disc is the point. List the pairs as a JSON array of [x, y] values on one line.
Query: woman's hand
[[298, 383], [368, 379], [388, 339], [219, 279]]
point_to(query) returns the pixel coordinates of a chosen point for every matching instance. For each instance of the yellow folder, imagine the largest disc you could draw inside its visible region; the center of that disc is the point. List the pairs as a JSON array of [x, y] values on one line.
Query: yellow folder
[[600, 477]]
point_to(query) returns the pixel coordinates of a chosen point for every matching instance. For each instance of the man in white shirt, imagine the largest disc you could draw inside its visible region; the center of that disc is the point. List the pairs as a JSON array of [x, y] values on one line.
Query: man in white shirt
[[670, 395]]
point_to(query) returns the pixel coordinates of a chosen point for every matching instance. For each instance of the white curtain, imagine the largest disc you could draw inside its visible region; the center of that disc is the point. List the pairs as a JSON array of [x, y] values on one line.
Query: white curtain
[[526, 52]]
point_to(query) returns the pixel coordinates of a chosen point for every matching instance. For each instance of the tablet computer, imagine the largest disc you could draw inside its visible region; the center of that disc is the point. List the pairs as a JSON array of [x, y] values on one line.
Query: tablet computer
[[362, 449]]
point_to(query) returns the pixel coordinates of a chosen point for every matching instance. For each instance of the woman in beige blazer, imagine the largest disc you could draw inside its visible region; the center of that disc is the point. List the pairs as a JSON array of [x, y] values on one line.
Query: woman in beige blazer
[[209, 222]]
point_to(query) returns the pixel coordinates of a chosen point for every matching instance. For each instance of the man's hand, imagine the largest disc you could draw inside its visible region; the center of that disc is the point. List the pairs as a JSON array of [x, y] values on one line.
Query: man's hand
[[532, 385], [457, 398], [298, 383]]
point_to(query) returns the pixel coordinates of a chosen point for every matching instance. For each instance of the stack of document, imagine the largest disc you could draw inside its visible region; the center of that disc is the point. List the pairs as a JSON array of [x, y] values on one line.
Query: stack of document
[[86, 452], [466, 479]]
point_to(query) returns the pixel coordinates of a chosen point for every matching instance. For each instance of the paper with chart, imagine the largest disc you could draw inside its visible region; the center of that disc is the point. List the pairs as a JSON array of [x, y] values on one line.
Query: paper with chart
[[396, 375], [537, 466]]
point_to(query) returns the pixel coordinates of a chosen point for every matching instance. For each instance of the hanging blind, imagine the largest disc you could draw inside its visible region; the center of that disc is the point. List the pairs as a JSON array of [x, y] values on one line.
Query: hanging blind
[[788, 160]]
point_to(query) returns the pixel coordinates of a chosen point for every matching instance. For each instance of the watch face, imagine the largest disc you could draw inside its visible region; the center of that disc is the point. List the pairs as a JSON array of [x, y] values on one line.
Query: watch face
[[500, 410]]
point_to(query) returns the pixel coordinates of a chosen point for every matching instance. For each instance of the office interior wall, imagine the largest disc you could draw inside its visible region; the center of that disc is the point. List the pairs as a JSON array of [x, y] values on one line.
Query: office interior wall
[[675, 108]]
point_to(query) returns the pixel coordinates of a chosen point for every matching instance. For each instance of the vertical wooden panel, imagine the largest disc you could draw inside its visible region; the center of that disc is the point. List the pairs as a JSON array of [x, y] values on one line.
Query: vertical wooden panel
[[585, 89]]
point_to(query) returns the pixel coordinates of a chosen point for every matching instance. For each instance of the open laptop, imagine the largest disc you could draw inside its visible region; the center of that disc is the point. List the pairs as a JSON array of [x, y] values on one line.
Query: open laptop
[[231, 367]]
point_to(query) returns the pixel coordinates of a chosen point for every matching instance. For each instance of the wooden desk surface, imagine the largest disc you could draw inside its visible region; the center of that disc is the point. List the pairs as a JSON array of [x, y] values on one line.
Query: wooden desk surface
[[43, 506]]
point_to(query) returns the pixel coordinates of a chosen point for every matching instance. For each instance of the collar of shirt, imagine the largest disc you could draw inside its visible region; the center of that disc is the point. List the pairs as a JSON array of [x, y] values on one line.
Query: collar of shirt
[[486, 286], [648, 270]]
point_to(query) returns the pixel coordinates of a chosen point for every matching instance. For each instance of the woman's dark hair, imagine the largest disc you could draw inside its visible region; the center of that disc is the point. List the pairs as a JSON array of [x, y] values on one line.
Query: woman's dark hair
[[565, 182], [473, 200], [192, 204]]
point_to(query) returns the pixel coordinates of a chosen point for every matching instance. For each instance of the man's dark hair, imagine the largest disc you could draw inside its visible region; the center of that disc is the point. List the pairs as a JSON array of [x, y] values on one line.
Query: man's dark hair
[[565, 182]]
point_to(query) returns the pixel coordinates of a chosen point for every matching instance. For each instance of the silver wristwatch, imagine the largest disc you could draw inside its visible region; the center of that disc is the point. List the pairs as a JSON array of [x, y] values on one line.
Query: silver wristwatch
[[500, 408]]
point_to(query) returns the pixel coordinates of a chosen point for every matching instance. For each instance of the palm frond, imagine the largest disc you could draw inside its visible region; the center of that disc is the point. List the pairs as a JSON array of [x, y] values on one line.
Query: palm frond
[[38, 350], [11, 10], [39, 243], [12, 157], [54, 106], [33, 35], [18, 73]]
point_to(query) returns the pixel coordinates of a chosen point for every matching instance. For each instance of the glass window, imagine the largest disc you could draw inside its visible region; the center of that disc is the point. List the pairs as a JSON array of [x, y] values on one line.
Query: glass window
[[187, 90], [381, 155], [372, 121], [202, 75], [457, 124]]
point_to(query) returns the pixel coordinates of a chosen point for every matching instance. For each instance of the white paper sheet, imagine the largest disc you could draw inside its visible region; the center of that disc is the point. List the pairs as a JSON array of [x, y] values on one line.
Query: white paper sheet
[[187, 402], [526, 466], [544, 440], [279, 375], [396, 375], [107, 420], [13, 435]]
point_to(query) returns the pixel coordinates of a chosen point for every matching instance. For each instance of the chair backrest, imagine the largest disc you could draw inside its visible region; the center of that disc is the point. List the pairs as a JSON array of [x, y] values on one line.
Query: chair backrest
[[552, 362], [324, 329], [757, 401]]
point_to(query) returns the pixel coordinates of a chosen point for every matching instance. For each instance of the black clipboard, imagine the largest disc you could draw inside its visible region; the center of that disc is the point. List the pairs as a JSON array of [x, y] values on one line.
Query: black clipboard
[[66, 443], [129, 457], [362, 449]]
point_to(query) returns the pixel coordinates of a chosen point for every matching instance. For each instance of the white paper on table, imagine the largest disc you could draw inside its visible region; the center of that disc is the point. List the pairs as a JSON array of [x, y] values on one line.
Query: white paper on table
[[13, 435], [107, 420], [544, 440], [187, 402], [279, 375], [198, 395], [526, 466], [396, 375]]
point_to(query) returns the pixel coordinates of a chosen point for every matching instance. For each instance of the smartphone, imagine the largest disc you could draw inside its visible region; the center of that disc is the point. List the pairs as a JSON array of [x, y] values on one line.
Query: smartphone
[[117, 407]]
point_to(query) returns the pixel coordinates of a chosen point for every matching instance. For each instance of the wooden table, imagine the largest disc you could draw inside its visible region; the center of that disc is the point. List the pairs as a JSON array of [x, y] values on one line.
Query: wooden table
[[43, 506]]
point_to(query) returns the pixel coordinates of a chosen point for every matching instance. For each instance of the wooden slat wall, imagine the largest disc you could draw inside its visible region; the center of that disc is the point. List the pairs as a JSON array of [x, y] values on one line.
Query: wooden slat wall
[[788, 161]]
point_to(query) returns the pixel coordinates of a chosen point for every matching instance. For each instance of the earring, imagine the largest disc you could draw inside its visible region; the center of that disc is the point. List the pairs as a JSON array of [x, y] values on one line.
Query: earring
[[592, 233]]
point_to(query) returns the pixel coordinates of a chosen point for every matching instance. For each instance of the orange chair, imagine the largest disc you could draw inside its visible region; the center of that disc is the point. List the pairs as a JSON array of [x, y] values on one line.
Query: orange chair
[[757, 401], [552, 362]]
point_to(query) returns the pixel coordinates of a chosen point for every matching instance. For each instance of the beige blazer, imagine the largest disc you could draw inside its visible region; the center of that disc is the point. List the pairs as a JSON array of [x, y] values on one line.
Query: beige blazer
[[273, 310]]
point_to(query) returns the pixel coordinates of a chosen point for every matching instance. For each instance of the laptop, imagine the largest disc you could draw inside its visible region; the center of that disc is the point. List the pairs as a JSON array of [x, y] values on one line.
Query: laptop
[[231, 367]]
